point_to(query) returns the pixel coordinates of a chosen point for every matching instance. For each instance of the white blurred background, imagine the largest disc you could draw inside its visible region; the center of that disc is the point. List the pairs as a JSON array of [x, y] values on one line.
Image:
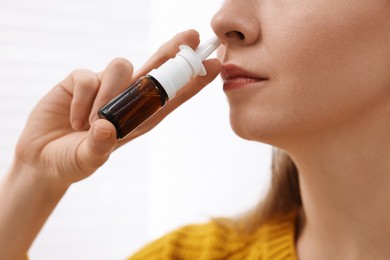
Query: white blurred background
[[188, 169]]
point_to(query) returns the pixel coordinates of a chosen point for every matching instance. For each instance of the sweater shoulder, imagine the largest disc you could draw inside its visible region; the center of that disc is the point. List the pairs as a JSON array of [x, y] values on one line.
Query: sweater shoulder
[[212, 240], [196, 241]]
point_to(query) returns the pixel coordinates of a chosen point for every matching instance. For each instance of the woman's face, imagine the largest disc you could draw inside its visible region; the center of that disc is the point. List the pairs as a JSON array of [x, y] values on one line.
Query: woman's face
[[296, 68]]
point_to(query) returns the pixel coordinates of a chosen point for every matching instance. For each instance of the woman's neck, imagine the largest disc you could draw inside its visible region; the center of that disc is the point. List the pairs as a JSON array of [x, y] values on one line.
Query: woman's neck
[[345, 188]]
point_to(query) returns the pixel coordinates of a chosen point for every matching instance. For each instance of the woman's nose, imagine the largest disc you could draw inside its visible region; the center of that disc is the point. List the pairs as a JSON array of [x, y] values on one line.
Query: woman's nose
[[236, 23]]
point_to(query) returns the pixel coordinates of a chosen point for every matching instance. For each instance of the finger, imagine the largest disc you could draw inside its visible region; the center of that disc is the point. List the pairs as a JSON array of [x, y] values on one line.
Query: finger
[[169, 50], [96, 148], [115, 78], [82, 86], [85, 87]]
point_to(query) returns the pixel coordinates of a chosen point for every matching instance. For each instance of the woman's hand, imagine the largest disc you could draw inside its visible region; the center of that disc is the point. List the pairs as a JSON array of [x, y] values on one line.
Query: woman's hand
[[65, 140]]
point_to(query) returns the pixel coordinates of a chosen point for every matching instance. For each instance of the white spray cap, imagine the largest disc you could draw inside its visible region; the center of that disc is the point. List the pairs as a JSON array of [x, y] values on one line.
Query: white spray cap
[[205, 49], [177, 72]]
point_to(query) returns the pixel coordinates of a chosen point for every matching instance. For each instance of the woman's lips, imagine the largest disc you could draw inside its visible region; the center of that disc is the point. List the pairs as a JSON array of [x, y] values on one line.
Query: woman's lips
[[235, 77]]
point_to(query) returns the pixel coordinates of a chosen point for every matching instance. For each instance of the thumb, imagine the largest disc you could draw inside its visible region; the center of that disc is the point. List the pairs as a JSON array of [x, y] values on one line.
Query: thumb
[[97, 147]]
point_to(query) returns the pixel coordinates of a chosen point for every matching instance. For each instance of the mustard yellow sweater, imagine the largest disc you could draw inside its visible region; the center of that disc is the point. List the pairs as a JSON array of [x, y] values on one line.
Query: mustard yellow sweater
[[272, 241]]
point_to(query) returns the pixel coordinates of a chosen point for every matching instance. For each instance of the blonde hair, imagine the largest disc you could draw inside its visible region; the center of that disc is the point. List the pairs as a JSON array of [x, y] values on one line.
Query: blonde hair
[[282, 198]]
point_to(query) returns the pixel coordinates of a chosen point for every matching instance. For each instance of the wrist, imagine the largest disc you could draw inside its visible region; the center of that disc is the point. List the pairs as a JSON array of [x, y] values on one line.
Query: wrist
[[27, 198], [36, 179]]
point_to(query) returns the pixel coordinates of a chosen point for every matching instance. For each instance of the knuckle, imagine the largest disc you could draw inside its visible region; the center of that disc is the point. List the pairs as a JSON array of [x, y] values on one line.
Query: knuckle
[[170, 48], [121, 65], [163, 55], [86, 80], [166, 52], [79, 73], [182, 36], [90, 82], [79, 78]]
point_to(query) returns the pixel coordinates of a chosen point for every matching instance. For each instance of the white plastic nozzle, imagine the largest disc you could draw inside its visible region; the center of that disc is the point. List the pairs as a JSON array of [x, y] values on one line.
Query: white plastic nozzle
[[177, 72], [205, 49]]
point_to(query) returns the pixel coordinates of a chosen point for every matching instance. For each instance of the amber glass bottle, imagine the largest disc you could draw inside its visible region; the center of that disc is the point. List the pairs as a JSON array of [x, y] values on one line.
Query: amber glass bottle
[[134, 105]]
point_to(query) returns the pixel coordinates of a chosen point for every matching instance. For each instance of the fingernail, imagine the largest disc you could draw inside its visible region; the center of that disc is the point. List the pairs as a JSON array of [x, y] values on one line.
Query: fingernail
[[101, 134]]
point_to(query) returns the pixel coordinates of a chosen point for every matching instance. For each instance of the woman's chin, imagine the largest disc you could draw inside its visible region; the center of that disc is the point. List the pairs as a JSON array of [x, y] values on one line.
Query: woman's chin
[[246, 129]]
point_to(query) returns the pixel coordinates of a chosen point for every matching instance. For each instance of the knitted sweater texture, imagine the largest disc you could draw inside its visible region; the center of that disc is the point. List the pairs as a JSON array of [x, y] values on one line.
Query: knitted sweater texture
[[272, 241]]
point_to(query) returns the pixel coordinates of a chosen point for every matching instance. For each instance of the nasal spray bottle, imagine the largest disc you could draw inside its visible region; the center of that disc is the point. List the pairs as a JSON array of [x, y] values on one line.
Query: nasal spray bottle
[[150, 93]]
